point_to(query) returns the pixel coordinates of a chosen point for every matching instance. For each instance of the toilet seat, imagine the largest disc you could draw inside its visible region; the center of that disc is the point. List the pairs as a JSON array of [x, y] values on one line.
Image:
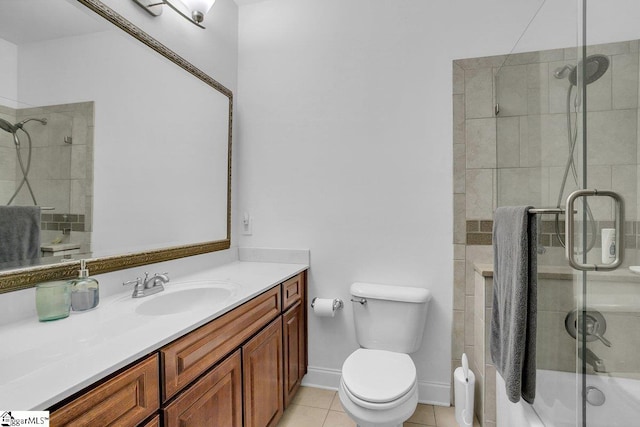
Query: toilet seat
[[378, 377]]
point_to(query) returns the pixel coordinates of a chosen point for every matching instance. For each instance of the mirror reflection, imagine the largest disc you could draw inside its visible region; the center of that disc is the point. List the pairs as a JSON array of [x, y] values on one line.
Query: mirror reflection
[[121, 149]]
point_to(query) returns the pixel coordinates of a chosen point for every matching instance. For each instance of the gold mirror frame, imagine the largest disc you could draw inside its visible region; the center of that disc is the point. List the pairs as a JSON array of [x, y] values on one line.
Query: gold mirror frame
[[27, 277]]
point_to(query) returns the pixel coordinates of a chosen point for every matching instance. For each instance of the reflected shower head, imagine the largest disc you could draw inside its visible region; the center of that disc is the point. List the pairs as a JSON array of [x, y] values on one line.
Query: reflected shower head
[[595, 67], [6, 126]]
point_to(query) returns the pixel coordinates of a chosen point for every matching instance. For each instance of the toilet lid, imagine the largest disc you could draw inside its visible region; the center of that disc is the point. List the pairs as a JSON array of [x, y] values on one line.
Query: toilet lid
[[378, 375]]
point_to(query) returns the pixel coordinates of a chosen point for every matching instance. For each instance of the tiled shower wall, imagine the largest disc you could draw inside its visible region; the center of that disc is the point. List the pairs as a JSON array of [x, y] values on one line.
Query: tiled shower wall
[[519, 157]]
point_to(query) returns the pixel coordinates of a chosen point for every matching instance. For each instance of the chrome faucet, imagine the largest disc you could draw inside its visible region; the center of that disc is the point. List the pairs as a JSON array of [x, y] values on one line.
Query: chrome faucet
[[593, 360], [148, 286]]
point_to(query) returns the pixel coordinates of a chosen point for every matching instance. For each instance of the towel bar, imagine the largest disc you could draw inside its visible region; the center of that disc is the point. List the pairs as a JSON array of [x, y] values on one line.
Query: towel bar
[[549, 211]]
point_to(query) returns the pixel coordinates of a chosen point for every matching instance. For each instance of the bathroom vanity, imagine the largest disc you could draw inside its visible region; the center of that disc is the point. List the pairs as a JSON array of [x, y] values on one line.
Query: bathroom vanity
[[243, 363]]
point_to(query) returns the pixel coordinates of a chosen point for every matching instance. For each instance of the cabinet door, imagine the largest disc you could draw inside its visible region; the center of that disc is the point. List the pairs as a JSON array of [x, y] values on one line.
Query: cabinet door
[[213, 400], [154, 422], [263, 377], [295, 350], [124, 400]]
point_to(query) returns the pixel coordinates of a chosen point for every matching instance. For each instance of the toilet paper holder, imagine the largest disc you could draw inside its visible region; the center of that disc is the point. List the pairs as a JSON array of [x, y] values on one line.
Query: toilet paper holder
[[337, 303]]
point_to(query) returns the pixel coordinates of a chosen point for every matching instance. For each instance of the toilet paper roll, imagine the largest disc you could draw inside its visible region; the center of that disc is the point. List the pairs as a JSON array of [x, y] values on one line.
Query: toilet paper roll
[[323, 307]]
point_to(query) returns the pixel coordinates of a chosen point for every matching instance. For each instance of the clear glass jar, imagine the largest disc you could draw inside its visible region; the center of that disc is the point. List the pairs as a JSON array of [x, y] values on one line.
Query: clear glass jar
[[53, 300]]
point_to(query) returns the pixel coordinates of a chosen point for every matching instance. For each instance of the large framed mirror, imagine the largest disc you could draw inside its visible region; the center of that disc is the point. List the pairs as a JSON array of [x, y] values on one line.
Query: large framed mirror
[[122, 144]]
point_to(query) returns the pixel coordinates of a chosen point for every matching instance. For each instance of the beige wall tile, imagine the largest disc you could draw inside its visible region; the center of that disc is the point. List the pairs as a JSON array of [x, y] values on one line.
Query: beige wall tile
[[482, 62], [508, 141], [481, 143], [459, 169], [612, 137], [511, 90], [458, 119], [519, 186], [479, 194], [469, 320], [478, 93], [624, 69], [624, 179], [459, 285], [458, 78], [538, 88], [459, 219], [457, 346]]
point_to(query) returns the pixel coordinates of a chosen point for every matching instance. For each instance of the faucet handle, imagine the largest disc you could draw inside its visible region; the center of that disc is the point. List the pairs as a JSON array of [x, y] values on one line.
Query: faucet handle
[[601, 337], [132, 282]]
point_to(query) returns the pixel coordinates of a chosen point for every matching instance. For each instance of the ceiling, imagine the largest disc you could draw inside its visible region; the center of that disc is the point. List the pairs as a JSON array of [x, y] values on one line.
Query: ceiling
[[49, 20]]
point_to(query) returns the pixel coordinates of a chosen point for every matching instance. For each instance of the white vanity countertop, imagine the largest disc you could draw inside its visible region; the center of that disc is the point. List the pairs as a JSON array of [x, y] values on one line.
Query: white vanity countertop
[[43, 363]]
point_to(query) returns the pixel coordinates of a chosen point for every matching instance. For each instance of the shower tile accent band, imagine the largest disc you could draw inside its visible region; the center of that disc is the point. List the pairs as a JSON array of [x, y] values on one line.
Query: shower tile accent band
[[479, 233]]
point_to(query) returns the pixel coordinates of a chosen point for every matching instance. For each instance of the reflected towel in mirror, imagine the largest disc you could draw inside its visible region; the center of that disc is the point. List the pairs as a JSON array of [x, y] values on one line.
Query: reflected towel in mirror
[[19, 233]]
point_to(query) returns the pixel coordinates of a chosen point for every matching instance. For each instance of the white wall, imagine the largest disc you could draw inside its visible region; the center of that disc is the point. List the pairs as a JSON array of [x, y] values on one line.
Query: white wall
[[345, 132]]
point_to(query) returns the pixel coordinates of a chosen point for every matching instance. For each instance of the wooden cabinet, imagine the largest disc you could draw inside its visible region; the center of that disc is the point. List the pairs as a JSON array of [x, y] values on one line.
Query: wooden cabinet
[[190, 356], [213, 400], [263, 377], [126, 399], [240, 369], [295, 350]]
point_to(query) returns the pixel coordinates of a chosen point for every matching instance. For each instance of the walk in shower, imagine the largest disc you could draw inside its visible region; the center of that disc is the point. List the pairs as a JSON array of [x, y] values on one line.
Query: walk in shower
[[566, 120]]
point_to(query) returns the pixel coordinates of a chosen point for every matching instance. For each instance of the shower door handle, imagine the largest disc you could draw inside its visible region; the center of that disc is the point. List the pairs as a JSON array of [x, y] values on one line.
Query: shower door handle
[[570, 227]]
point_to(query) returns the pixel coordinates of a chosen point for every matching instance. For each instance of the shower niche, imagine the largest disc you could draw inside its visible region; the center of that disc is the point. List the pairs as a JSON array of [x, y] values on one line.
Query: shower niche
[[51, 167]]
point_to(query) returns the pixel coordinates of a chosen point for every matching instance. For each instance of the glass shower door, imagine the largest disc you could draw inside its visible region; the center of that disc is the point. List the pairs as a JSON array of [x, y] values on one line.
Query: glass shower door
[[607, 309]]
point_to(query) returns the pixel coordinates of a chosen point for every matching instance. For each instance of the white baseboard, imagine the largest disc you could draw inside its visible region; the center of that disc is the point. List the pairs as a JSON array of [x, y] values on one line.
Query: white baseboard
[[428, 392]]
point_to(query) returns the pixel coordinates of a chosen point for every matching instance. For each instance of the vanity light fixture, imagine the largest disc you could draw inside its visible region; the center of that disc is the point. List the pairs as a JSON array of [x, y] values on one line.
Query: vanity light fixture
[[198, 8]]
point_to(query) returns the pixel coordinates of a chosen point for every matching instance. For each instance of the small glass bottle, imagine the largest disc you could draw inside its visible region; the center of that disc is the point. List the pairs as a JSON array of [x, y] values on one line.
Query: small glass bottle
[[85, 293]]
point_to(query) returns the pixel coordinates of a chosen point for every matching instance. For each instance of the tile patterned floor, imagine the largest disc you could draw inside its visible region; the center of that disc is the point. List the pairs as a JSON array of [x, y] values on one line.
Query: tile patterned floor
[[315, 407]]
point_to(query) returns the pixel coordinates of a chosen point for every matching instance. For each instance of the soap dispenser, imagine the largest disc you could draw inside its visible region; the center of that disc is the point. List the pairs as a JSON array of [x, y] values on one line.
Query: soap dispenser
[[85, 294]]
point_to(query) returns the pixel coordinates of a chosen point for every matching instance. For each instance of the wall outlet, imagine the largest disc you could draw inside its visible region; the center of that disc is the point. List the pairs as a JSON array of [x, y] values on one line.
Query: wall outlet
[[247, 224]]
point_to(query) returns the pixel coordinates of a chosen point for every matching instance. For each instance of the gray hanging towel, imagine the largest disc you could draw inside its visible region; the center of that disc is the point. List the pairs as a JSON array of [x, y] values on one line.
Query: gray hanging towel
[[19, 233], [513, 323]]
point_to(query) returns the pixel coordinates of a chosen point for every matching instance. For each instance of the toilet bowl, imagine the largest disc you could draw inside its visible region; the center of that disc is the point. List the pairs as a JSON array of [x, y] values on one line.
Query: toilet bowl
[[378, 388]]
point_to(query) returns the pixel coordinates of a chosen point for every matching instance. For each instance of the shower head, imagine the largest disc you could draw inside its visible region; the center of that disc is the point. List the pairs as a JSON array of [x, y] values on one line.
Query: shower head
[[21, 123], [6, 126], [594, 67]]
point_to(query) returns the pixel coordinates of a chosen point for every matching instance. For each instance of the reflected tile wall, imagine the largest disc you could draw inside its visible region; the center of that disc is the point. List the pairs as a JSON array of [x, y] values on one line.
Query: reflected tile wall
[[62, 168]]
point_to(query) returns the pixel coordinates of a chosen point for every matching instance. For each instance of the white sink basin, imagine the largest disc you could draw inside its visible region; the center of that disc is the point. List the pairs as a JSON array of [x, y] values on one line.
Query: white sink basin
[[185, 297]]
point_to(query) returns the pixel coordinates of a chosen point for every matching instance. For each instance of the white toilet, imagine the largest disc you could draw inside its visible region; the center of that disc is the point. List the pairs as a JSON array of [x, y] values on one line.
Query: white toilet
[[379, 387]]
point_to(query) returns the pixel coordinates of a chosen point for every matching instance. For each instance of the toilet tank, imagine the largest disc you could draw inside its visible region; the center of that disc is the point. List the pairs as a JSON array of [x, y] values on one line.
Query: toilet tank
[[393, 317]]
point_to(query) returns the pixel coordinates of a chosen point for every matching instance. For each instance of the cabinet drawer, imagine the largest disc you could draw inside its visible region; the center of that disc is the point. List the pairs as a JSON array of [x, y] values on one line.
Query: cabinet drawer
[[213, 400], [126, 399], [293, 291], [188, 357]]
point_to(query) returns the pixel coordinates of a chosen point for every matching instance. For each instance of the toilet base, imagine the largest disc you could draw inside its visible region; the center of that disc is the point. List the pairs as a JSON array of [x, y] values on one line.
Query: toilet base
[[365, 417]]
